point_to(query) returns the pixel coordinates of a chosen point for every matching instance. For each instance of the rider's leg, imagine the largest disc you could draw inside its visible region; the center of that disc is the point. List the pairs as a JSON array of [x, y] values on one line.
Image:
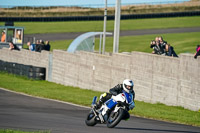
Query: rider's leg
[[103, 98]]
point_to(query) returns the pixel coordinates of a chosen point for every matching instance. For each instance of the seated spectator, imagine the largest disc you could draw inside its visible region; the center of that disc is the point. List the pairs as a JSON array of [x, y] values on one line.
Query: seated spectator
[[13, 46], [169, 51], [197, 51], [47, 46], [31, 46], [3, 36]]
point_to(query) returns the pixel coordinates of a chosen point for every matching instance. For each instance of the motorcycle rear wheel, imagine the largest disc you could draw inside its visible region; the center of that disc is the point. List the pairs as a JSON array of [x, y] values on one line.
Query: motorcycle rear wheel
[[114, 119], [90, 120]]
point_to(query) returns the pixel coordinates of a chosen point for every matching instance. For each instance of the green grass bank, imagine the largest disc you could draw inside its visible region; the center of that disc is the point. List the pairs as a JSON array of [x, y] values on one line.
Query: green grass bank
[[86, 26], [18, 131], [84, 97], [182, 43]]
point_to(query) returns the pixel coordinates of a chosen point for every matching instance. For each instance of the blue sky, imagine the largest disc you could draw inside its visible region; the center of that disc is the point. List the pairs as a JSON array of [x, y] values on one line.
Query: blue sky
[[74, 2]]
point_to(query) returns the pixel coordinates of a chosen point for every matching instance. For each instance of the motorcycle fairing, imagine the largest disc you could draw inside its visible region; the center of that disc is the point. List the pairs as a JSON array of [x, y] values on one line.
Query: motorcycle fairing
[[110, 103]]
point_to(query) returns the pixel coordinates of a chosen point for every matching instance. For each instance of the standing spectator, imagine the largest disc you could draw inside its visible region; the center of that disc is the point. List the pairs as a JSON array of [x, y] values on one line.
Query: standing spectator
[[42, 45], [169, 51], [31, 46], [153, 44], [39, 46], [3, 36], [13, 46], [197, 51], [162, 42], [157, 39], [158, 49], [47, 46]]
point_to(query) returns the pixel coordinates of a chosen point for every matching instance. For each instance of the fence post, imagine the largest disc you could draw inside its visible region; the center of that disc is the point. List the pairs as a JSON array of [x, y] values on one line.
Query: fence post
[[50, 67]]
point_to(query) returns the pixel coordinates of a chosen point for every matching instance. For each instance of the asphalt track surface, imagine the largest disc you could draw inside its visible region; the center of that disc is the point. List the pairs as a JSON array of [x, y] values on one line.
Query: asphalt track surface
[[69, 36], [22, 112]]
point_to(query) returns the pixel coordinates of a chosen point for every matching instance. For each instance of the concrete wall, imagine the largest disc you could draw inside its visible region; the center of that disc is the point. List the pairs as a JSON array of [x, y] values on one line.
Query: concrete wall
[[172, 81]]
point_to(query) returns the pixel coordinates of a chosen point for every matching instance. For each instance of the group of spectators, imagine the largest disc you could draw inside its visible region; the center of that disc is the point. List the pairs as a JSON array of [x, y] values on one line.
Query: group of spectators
[[39, 46], [161, 47]]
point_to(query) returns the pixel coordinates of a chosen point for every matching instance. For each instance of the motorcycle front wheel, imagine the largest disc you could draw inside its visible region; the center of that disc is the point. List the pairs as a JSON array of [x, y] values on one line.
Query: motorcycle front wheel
[[90, 120], [115, 118]]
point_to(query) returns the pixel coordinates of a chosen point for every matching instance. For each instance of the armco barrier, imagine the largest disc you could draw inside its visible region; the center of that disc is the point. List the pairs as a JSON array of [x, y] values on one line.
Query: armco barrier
[[167, 80]]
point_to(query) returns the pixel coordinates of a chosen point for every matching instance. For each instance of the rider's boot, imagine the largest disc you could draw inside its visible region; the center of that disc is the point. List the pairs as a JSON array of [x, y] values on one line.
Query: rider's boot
[[99, 104]]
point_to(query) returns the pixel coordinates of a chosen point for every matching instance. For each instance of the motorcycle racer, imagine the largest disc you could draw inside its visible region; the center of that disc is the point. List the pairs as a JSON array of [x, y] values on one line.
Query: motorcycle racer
[[127, 86]]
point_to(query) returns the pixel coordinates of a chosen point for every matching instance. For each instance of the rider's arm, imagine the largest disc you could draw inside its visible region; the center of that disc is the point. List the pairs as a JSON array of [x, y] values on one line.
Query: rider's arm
[[133, 95], [116, 90], [132, 105]]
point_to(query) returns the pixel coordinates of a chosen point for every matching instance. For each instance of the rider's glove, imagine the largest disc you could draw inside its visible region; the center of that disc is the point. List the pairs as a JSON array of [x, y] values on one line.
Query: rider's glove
[[132, 105]]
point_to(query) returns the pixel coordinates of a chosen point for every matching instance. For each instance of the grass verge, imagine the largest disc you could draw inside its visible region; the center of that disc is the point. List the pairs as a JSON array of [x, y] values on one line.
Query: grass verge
[[84, 97], [87, 26], [182, 43], [17, 131]]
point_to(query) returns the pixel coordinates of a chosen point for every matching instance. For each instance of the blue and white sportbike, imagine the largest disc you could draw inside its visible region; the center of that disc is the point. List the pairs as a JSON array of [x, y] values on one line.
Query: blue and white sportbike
[[112, 111]]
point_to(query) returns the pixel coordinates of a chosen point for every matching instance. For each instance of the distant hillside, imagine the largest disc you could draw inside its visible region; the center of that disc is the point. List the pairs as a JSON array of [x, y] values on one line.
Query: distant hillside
[[193, 5]]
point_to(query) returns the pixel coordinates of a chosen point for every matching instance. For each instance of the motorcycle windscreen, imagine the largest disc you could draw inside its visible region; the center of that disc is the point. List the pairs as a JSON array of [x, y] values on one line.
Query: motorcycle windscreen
[[94, 100], [110, 103]]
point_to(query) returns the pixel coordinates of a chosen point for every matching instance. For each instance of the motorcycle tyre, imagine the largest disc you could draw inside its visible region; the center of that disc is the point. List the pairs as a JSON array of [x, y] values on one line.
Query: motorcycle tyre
[[90, 121], [117, 120]]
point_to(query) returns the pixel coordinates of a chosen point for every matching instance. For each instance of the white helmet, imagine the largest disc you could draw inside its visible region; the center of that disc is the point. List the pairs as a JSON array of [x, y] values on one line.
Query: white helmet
[[128, 85]]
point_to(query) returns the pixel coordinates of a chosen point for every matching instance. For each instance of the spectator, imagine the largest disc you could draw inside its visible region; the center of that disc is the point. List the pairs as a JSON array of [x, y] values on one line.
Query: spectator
[[37, 42], [153, 44], [47, 46], [13, 46], [169, 51], [3, 36], [39, 46], [162, 42], [31, 46], [157, 48], [42, 45], [157, 39], [197, 51], [18, 34]]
